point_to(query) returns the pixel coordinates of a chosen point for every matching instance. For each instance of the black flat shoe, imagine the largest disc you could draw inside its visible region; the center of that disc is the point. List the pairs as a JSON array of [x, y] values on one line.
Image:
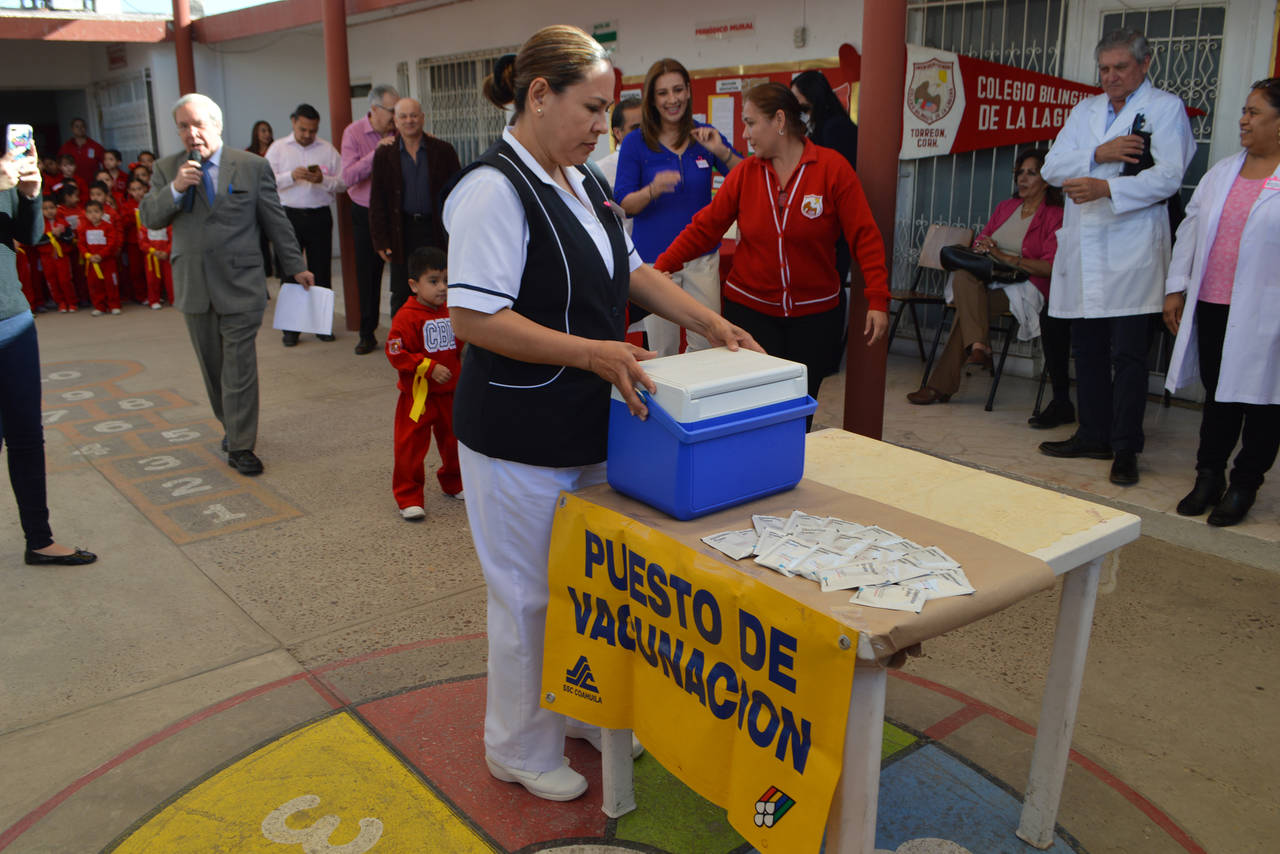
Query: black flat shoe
[[1206, 493], [1076, 447], [289, 339], [77, 558], [1054, 415], [245, 462], [1124, 471], [366, 346], [326, 337], [1232, 508]]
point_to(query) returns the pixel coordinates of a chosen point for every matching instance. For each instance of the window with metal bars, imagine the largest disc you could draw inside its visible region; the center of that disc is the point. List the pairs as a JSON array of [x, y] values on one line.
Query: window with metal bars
[[455, 109]]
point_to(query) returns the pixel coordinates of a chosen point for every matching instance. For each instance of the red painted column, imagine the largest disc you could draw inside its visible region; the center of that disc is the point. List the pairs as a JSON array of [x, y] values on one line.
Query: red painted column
[[884, 56], [333, 17], [182, 47]]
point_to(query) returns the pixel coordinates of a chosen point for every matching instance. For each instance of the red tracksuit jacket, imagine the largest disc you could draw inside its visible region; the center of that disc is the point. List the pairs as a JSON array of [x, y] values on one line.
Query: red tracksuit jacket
[[785, 263], [419, 332], [101, 239]]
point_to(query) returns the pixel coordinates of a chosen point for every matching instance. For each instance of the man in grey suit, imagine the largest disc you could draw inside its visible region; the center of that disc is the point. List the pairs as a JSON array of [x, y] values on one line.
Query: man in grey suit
[[216, 199]]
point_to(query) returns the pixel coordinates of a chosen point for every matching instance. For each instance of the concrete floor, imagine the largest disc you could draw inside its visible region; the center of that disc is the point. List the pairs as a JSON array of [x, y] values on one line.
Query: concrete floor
[[308, 571]]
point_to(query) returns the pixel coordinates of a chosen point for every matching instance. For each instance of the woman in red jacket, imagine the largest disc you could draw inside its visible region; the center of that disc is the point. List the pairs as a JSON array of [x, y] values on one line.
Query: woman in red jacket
[[792, 201]]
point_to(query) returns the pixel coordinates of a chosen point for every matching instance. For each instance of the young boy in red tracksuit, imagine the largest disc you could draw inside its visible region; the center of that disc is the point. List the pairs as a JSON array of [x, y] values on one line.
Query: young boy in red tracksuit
[[26, 277], [99, 242], [421, 346], [71, 212], [55, 258], [67, 177], [156, 244], [135, 283]]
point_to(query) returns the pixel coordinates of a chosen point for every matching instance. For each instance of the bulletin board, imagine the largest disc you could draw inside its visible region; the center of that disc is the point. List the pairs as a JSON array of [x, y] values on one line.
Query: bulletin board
[[717, 92]]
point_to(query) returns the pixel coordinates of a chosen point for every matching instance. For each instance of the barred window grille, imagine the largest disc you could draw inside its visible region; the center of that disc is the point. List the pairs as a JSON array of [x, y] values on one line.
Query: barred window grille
[[402, 79], [124, 114], [455, 109]]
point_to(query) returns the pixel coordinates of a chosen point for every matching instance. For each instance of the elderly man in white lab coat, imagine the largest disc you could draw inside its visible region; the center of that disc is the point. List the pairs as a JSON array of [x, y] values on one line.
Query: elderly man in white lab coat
[[1113, 248]]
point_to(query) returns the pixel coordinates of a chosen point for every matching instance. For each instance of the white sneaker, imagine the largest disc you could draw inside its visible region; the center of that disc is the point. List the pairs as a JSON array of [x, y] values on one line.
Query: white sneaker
[[460, 495], [115, 311], [412, 514], [562, 784], [591, 735], [155, 306], [96, 313]]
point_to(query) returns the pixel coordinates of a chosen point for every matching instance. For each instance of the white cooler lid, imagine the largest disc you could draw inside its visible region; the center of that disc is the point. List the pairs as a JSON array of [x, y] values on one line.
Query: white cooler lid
[[715, 382]]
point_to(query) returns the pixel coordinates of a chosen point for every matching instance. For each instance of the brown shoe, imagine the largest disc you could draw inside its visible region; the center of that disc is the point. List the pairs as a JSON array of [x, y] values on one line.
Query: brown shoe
[[980, 359], [926, 396]]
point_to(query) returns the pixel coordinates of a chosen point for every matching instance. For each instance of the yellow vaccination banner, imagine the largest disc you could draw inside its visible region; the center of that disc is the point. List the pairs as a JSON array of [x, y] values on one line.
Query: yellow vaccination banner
[[738, 690]]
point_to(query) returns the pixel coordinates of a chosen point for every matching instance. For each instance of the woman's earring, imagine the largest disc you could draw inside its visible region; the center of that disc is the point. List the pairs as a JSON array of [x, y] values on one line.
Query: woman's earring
[[781, 132], [539, 111]]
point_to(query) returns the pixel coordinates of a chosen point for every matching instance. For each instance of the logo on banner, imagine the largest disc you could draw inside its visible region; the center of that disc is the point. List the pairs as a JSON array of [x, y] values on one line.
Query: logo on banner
[[811, 206], [772, 806], [579, 680], [932, 91]]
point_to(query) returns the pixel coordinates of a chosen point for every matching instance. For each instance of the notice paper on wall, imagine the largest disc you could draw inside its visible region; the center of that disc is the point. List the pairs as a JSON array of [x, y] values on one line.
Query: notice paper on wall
[[723, 114], [300, 309]]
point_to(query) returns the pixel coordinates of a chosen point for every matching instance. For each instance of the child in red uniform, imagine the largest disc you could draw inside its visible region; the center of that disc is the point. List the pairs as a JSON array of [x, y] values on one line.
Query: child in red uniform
[[67, 176], [421, 346], [135, 283], [99, 242], [55, 260], [26, 276], [72, 214], [156, 243], [119, 182]]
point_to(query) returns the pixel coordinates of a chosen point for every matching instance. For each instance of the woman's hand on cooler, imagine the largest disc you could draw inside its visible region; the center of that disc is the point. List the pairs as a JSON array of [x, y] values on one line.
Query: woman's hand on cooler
[[876, 326], [1173, 306], [722, 333], [619, 363]]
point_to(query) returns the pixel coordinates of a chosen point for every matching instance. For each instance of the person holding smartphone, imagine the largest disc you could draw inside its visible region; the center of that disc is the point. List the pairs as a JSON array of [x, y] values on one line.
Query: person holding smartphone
[[21, 428]]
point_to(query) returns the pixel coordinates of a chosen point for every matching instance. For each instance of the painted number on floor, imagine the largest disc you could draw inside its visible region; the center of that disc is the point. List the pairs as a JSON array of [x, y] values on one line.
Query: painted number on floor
[[315, 839]]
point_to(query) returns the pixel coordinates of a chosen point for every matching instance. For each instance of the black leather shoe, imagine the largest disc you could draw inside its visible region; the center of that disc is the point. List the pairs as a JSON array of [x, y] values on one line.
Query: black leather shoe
[[1124, 471], [1231, 510], [1054, 415], [77, 558], [1205, 494], [366, 346], [245, 462], [327, 337], [290, 339], [1076, 447]]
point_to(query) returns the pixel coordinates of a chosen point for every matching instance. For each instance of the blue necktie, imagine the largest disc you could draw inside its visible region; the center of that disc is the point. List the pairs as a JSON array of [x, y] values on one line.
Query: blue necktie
[[209, 190]]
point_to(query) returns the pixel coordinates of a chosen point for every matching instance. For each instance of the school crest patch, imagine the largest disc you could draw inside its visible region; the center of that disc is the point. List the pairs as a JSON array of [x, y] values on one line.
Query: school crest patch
[[811, 206], [393, 346]]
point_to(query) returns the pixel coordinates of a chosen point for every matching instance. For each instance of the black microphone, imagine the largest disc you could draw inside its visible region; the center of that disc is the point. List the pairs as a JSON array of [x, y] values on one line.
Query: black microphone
[[189, 195]]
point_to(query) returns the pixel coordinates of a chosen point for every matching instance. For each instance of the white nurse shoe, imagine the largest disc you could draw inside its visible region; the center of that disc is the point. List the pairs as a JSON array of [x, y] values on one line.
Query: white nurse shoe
[[562, 784]]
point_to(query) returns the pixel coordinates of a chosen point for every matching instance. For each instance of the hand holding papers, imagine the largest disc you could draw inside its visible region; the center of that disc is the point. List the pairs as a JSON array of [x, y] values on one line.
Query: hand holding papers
[[300, 309]]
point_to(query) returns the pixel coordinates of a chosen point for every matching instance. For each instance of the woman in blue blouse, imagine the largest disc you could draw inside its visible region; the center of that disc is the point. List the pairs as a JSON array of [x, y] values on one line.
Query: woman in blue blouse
[[664, 178]]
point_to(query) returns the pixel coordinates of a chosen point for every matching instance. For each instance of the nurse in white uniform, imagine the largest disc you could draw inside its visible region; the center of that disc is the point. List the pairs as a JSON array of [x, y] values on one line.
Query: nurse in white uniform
[[1223, 304], [540, 273]]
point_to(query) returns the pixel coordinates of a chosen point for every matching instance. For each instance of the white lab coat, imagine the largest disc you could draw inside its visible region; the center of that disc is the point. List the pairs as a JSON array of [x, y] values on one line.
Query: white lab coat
[[1113, 253], [1251, 351]]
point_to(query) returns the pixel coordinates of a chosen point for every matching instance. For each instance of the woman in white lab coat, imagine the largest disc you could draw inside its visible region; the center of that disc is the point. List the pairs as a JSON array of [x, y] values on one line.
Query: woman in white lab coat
[[1224, 270]]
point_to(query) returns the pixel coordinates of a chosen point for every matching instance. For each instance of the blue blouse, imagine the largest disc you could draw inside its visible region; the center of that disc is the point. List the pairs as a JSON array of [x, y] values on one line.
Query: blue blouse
[[666, 216]]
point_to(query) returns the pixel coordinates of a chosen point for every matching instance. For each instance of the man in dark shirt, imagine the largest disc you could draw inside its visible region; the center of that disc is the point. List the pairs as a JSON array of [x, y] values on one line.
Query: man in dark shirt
[[404, 198]]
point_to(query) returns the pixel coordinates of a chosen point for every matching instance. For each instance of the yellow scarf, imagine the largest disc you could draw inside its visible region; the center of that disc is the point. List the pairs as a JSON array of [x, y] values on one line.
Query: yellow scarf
[[420, 390]]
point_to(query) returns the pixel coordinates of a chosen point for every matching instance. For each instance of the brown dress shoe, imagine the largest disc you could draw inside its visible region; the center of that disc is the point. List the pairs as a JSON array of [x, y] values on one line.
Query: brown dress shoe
[[926, 396]]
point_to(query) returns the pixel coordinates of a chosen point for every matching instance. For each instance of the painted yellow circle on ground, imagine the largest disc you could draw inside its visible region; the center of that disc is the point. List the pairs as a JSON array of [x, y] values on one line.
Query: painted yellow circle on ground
[[327, 788]]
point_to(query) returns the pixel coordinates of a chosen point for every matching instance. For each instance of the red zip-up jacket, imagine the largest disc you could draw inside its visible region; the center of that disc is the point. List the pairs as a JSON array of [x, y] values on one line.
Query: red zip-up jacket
[[420, 332], [785, 263]]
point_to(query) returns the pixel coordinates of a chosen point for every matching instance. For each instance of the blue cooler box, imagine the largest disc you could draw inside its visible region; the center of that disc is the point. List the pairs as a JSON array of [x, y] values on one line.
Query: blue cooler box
[[724, 428]]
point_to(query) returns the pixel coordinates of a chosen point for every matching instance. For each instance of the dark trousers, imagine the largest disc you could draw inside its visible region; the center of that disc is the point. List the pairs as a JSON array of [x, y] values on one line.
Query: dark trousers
[[809, 339], [1055, 340], [22, 431], [1224, 424], [313, 229], [1111, 378], [417, 232], [368, 271]]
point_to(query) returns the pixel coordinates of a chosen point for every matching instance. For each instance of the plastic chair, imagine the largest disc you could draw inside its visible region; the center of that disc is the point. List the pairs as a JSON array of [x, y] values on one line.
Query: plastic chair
[[937, 237]]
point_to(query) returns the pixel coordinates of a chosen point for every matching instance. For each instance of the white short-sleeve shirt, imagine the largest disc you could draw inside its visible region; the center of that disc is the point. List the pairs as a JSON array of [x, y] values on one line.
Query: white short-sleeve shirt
[[484, 213]]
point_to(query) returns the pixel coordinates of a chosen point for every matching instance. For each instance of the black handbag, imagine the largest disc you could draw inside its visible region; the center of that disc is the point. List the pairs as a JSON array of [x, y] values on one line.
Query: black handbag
[[984, 268]]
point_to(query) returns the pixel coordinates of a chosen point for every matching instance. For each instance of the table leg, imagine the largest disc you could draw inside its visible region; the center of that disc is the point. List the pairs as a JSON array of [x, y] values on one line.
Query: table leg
[[851, 827], [1058, 708], [616, 772]]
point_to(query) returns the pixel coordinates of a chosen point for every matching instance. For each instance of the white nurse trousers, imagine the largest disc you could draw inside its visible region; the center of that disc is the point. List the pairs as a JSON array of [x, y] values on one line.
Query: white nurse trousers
[[510, 507]]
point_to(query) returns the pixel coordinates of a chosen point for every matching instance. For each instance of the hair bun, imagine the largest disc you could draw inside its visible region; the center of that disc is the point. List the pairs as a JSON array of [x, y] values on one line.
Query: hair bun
[[499, 87]]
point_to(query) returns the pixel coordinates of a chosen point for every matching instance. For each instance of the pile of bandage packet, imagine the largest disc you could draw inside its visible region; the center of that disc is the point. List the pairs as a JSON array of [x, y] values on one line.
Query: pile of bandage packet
[[885, 570]]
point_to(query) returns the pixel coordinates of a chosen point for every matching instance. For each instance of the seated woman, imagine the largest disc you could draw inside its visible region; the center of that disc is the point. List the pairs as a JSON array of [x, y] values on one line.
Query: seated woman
[[1022, 232]]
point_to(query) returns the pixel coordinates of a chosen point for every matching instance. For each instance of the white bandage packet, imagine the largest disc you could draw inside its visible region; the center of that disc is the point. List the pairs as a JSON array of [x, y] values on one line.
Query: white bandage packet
[[784, 556], [940, 585], [880, 537], [767, 541], [802, 523], [818, 559], [768, 523], [892, 597], [933, 558], [735, 544], [850, 575]]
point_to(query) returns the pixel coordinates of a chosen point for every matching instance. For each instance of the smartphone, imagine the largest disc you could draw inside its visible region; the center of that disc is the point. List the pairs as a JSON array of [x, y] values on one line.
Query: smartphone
[[313, 168], [21, 141]]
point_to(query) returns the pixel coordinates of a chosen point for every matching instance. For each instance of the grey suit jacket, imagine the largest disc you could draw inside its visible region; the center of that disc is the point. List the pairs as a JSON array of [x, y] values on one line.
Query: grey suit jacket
[[217, 258]]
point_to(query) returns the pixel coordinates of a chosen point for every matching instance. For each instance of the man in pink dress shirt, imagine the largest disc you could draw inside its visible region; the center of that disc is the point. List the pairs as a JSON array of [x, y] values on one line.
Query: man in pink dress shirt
[[359, 142]]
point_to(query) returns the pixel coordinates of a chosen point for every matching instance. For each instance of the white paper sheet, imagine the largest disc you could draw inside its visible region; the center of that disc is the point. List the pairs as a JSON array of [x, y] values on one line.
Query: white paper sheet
[[300, 309]]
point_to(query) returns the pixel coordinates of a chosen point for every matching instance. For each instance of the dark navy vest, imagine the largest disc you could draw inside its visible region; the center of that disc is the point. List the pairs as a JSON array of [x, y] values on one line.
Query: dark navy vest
[[547, 415]]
